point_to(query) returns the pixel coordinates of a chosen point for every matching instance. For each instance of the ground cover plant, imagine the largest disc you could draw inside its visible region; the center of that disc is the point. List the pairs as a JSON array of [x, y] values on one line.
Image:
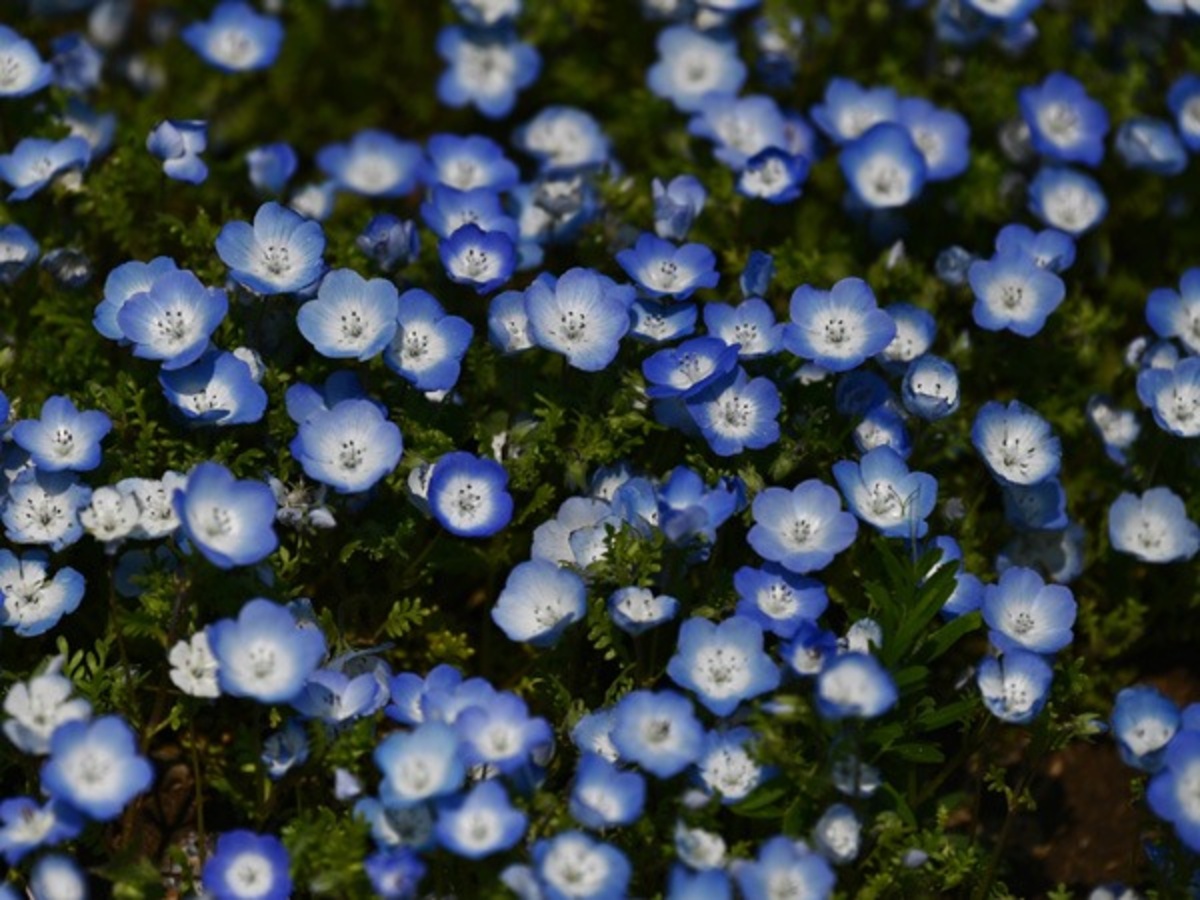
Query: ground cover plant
[[600, 448]]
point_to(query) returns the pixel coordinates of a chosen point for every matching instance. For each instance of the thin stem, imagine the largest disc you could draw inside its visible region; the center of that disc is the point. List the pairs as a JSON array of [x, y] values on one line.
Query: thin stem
[[201, 839]]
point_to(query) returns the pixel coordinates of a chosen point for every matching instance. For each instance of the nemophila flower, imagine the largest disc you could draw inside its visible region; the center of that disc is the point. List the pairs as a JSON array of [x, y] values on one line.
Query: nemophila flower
[[1065, 124], [28, 825], [18, 251], [481, 823], [428, 346], [419, 765], [395, 874], [778, 600], [229, 521], [55, 876], [739, 127], [216, 389], [63, 438], [658, 731], [1118, 428], [1023, 612], [563, 139], [487, 13], [468, 163], [802, 529], [154, 496], [1067, 200], [1050, 249], [498, 733], [593, 734], [284, 749], [485, 69], [751, 325], [468, 495], [854, 685], [449, 209], [193, 666], [582, 315], [1151, 145], [636, 609], [248, 865], [773, 175], [688, 369], [698, 848], [264, 653], [658, 323], [783, 865], [508, 323], [692, 64], [173, 320], [271, 166], [22, 71], [850, 111], [1173, 396], [1154, 527], [349, 447], [688, 509], [840, 328], [1176, 314], [838, 834], [884, 168], [722, 664], [738, 414], [1015, 686], [314, 200], [709, 884], [1143, 724], [352, 317], [942, 136], [39, 706], [484, 260], [1058, 554], [726, 766], [409, 691], [663, 270], [538, 602], [552, 539], [757, 275], [676, 205], [124, 282], [95, 767], [76, 63], [603, 796], [930, 388], [1016, 443], [179, 143], [43, 508], [236, 38], [95, 127], [915, 331], [279, 254], [1038, 506], [334, 697], [31, 601], [389, 242], [881, 491], [374, 163], [572, 866], [1172, 792], [35, 162], [1184, 100]]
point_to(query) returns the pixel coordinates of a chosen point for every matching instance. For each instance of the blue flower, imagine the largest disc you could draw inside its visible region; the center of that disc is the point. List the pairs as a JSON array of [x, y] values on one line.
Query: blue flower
[[1154, 527], [778, 600], [24, 71], [31, 601], [487, 13], [1038, 507], [467, 163], [95, 767], [750, 325], [1015, 686], [657, 323], [390, 242], [18, 251], [374, 164], [564, 140], [480, 823], [1049, 249], [572, 866], [676, 206], [637, 609], [840, 328], [229, 521], [484, 260], [1065, 124], [395, 873], [1176, 314], [773, 175], [884, 167], [1173, 396], [248, 865], [497, 732], [63, 439], [854, 685], [279, 254], [930, 388], [801, 529], [1016, 443], [722, 664], [707, 884], [1067, 200], [349, 447], [217, 389], [53, 876], [35, 162], [663, 270], [1023, 612], [43, 508], [485, 69], [265, 654], [688, 369], [1151, 145], [179, 143], [449, 209], [1006, 12], [781, 862], [271, 166], [603, 796], [1184, 101], [468, 495], [538, 602], [123, 282], [726, 766], [739, 127], [693, 64], [1171, 792], [737, 414], [236, 38], [173, 320], [582, 315], [420, 765], [1143, 724], [658, 731], [76, 63], [288, 747], [882, 492], [28, 826], [687, 509], [941, 135], [352, 317], [849, 110], [1118, 428], [508, 323]]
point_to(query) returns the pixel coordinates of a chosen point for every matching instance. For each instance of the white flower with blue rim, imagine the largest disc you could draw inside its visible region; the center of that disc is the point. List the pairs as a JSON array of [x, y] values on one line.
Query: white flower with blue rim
[[739, 127], [1154, 527], [420, 765], [572, 866], [63, 438], [31, 601], [603, 796], [1013, 292], [751, 325], [179, 143], [349, 447], [374, 163], [95, 767], [1016, 443], [172, 321], [484, 260], [449, 209], [1050, 248], [279, 254], [840, 328], [802, 529], [35, 162], [508, 323], [18, 251], [428, 346], [662, 269], [930, 388], [55, 876], [480, 823], [850, 111], [467, 163], [658, 731], [722, 664], [28, 825], [582, 315], [468, 495], [248, 866], [637, 609], [1143, 724], [773, 175], [38, 707], [216, 389], [881, 491], [838, 834], [485, 69], [126, 281], [229, 521], [676, 205], [692, 64], [778, 600], [1184, 100], [727, 767], [538, 602], [855, 685], [563, 139], [22, 71], [784, 868], [688, 369], [236, 38], [1176, 314], [1023, 612], [264, 653], [44, 507], [1065, 124], [1173, 791], [884, 167], [1067, 200], [1173, 396], [1015, 686], [1151, 145], [941, 135], [498, 733], [352, 317], [271, 166]]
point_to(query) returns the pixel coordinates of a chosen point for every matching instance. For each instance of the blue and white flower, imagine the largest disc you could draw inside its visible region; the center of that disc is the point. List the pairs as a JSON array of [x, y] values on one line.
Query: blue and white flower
[[1176, 314], [485, 69], [179, 143], [855, 685], [1173, 396], [1172, 792], [18, 251], [265, 653], [420, 765], [349, 447], [230, 522], [31, 601], [563, 139], [942, 136], [468, 495], [1013, 292], [676, 206], [778, 600], [850, 111], [538, 602], [63, 438], [1065, 124], [236, 38], [603, 796], [637, 609], [802, 529], [22, 71], [1050, 249], [882, 492], [35, 162], [1067, 200], [930, 388], [582, 315], [663, 270], [484, 260], [726, 766], [571, 866], [1015, 686], [722, 664], [692, 64], [1143, 724], [172, 321], [658, 731], [126, 281], [884, 167], [840, 328], [271, 166], [28, 825], [1023, 612], [1151, 145], [468, 163], [1184, 101], [193, 666], [739, 127], [374, 164], [217, 389], [44, 507], [1154, 527], [248, 866], [352, 317], [751, 325], [96, 767], [279, 254], [783, 864], [480, 823], [1016, 443], [39, 706]]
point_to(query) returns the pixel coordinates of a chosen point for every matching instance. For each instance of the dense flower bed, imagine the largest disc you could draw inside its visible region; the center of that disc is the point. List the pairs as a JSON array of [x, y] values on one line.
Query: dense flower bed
[[597, 448]]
